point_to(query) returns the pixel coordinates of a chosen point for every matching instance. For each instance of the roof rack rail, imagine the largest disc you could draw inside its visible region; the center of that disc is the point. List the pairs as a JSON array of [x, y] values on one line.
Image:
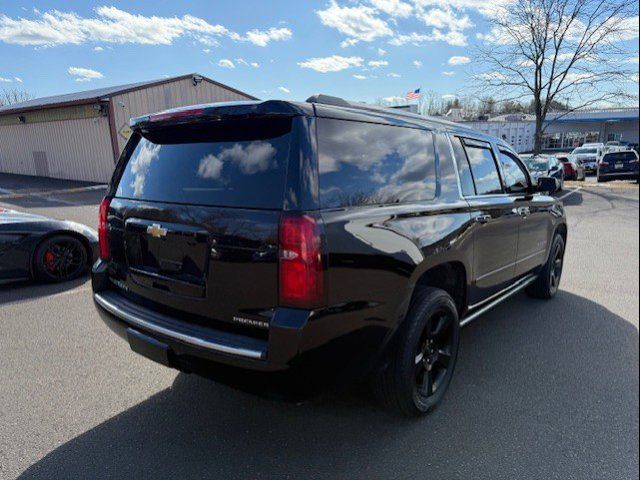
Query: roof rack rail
[[341, 102]]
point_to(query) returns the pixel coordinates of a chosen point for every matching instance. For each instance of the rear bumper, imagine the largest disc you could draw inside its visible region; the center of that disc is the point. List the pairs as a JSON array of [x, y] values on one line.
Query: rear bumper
[[618, 175], [300, 355]]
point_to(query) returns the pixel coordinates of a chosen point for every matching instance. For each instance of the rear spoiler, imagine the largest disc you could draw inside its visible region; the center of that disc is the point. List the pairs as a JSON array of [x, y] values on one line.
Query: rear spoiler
[[218, 111]]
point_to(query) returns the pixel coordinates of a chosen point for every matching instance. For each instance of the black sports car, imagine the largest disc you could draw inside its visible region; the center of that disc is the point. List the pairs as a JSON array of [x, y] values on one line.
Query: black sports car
[[42, 248]]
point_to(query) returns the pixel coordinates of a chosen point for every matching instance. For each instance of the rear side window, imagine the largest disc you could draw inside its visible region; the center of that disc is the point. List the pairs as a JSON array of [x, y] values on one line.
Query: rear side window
[[233, 164], [464, 170], [365, 164], [483, 168]]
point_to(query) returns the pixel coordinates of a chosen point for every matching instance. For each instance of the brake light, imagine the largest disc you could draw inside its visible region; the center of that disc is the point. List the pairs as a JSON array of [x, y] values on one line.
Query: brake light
[[603, 164], [194, 112], [103, 229], [300, 264]]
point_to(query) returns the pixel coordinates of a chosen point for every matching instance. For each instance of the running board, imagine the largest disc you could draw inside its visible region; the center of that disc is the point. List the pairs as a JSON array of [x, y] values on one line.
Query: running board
[[499, 298]]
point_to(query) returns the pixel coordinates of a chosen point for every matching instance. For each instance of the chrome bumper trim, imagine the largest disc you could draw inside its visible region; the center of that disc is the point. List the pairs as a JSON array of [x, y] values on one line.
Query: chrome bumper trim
[[148, 325]]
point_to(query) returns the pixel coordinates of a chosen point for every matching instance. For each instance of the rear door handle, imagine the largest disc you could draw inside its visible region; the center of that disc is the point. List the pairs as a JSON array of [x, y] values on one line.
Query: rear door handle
[[482, 219]]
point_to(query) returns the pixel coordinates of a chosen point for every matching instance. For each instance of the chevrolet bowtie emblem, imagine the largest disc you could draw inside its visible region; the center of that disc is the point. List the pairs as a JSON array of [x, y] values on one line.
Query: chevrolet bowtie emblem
[[156, 231]]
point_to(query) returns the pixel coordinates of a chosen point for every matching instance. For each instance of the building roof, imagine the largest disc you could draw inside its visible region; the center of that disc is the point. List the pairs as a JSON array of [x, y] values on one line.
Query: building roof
[[595, 115], [99, 94]]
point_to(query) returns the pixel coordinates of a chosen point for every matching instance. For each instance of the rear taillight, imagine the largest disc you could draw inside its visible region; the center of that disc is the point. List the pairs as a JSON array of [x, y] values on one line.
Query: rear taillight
[[603, 164], [103, 229], [300, 265]]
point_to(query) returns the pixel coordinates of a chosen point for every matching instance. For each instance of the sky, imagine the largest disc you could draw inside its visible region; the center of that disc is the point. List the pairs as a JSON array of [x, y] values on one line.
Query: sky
[[358, 49]]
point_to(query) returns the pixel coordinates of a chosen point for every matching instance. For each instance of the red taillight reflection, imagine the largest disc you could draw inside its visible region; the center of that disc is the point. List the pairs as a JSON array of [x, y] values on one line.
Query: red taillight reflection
[[301, 270], [194, 112], [103, 229]]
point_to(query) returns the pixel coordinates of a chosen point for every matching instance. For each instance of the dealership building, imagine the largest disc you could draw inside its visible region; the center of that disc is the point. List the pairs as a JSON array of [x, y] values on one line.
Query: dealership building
[[564, 131], [79, 136]]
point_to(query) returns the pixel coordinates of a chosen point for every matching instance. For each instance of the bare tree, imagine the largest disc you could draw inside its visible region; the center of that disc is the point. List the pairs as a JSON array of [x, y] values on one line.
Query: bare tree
[[551, 51], [12, 96]]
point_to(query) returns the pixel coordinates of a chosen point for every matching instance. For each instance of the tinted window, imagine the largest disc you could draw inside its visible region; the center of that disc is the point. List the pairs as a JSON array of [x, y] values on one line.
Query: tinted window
[[364, 164], [514, 177], [227, 164], [464, 170], [483, 167]]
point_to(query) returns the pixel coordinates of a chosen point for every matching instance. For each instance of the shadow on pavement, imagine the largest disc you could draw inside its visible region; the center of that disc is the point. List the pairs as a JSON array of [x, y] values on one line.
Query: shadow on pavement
[[542, 390], [27, 290]]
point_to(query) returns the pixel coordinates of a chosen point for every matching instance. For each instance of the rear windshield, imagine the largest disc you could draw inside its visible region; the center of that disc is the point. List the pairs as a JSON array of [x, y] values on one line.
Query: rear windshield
[[585, 151], [233, 164], [620, 156]]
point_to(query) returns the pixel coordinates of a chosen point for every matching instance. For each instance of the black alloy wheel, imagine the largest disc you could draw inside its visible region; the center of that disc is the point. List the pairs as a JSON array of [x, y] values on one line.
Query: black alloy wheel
[[548, 282], [60, 258], [433, 357], [415, 376], [555, 272]]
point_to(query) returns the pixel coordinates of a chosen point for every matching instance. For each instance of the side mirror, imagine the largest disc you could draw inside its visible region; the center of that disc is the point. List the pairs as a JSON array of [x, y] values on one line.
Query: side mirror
[[547, 184]]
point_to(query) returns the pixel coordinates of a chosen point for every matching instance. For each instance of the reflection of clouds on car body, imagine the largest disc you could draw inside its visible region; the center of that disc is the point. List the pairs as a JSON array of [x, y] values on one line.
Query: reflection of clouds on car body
[[255, 157], [397, 164], [147, 153]]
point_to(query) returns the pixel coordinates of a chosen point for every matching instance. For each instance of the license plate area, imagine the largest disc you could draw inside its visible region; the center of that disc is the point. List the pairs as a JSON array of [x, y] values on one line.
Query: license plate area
[[149, 347], [619, 166], [167, 256]]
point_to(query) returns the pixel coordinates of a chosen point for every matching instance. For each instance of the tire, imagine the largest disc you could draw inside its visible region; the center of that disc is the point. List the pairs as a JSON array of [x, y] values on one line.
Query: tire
[[419, 370], [60, 258], [548, 282]]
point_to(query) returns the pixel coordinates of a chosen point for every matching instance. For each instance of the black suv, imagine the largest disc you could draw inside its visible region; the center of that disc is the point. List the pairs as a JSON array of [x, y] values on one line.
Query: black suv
[[293, 244]]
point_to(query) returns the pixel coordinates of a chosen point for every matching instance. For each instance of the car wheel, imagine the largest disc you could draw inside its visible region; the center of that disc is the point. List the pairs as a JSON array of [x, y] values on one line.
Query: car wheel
[[416, 376], [548, 282], [60, 258]]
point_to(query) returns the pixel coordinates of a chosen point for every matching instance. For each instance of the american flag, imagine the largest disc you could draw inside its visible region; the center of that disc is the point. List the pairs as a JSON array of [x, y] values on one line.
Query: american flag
[[413, 95]]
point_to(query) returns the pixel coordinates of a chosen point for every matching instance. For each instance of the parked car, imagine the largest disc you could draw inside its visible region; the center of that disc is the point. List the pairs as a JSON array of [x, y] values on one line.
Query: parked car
[[621, 165], [573, 170], [589, 155], [544, 166], [42, 248], [295, 244]]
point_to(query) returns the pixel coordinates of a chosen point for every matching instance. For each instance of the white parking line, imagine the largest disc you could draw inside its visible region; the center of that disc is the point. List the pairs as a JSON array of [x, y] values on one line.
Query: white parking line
[[570, 193]]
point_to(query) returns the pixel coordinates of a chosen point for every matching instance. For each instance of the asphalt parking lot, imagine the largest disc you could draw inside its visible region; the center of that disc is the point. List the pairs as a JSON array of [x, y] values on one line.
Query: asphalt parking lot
[[542, 389]]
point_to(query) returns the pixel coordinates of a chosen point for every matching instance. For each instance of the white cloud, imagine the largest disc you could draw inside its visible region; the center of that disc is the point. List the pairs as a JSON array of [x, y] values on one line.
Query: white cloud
[[382, 52], [84, 74], [262, 38], [255, 64], [394, 75], [417, 63], [378, 63], [112, 25], [18, 79], [359, 77], [448, 74], [456, 60], [454, 38], [395, 8], [635, 60], [284, 89], [449, 96], [394, 100], [334, 63], [5, 80], [359, 23], [226, 63], [98, 49], [445, 19]]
